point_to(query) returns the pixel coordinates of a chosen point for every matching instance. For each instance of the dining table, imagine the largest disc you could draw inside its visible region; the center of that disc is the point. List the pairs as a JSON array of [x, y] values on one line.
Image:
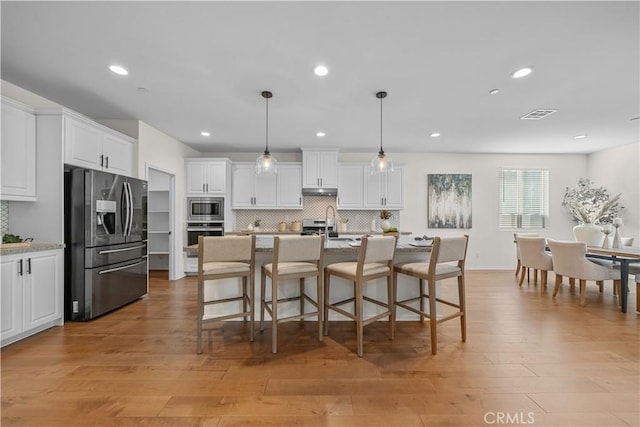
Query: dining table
[[624, 256]]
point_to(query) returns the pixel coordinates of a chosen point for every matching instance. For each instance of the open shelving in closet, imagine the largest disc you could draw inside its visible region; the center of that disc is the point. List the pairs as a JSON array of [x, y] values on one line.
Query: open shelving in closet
[[159, 220]]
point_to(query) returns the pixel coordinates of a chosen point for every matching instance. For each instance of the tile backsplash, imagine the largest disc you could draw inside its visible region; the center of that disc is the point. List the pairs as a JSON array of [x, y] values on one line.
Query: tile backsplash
[[314, 207], [4, 217]]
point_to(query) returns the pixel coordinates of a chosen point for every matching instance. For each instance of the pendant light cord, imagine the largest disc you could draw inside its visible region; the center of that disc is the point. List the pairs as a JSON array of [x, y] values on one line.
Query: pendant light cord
[[266, 134], [381, 150]]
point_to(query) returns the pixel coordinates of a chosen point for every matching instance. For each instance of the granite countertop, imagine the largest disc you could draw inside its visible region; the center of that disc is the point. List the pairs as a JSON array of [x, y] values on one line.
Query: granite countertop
[[19, 248], [265, 244]]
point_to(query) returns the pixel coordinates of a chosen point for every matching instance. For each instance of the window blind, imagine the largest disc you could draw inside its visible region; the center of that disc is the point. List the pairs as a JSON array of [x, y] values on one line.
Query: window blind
[[524, 198]]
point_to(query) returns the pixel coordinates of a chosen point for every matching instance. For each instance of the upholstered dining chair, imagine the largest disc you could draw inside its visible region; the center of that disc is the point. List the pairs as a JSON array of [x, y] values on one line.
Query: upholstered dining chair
[[446, 260], [225, 257], [533, 255], [518, 259], [294, 257], [569, 259], [375, 260]]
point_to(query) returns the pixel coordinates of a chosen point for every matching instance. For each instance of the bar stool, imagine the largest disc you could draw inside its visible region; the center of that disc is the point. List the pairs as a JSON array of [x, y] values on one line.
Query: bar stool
[[223, 257], [375, 260], [446, 261], [294, 257]]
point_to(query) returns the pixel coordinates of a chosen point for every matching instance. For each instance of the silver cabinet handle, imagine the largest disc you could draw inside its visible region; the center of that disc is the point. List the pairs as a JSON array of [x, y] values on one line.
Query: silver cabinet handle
[[106, 162], [111, 251], [19, 267], [207, 188], [124, 267], [101, 160], [29, 266], [203, 188]]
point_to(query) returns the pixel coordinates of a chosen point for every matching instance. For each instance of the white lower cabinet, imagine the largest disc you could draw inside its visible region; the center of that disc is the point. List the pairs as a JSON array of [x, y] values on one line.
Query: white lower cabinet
[[31, 295]]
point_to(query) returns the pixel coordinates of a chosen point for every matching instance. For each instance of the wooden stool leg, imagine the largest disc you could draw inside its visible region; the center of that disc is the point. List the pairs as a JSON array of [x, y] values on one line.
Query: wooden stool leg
[[393, 304], [320, 305], [301, 299], [325, 317], [421, 290], [263, 278], [637, 296], [433, 326], [390, 304], [463, 318], [274, 313], [358, 315]]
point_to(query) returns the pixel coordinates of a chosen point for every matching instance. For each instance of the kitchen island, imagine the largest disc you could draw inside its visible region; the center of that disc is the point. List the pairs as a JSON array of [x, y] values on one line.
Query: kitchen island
[[336, 250]]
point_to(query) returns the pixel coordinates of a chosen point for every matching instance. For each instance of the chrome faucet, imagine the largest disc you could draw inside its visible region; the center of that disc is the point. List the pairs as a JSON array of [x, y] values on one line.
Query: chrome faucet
[[326, 222]]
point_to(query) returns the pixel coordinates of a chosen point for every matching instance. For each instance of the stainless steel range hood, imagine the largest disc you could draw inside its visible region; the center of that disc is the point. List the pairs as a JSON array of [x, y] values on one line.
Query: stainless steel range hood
[[319, 191]]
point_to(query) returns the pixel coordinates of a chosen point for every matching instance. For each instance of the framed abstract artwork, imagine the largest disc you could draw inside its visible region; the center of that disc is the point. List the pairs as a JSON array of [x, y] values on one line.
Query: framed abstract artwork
[[449, 200]]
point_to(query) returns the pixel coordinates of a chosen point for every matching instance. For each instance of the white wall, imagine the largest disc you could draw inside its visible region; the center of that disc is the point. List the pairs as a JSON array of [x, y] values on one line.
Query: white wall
[[618, 170], [155, 149]]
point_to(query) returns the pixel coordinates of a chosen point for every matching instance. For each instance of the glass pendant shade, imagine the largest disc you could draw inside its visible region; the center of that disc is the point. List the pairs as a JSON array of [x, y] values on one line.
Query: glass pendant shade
[[266, 164], [381, 163]]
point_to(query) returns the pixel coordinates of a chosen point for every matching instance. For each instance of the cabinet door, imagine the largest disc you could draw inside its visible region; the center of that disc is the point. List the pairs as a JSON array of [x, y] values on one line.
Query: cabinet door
[[264, 191], [18, 154], [242, 187], [350, 187], [83, 144], [289, 186], [394, 191], [329, 164], [311, 172], [42, 288], [117, 155], [10, 296], [374, 190], [196, 172], [215, 178]]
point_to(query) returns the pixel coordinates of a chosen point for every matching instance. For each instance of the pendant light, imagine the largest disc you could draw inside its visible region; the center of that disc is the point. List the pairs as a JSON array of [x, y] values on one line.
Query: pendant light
[[266, 164], [381, 163]]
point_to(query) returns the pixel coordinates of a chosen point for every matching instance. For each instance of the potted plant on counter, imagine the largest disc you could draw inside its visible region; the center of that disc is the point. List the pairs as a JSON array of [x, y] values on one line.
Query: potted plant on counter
[[385, 216]]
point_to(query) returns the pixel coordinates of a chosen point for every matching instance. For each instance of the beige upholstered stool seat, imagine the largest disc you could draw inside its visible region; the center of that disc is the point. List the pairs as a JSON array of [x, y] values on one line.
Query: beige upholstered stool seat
[[225, 257], [420, 269], [294, 257], [375, 260]]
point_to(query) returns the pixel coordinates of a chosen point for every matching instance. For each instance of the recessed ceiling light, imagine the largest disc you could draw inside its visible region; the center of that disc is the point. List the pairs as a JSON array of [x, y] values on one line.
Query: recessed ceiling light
[[494, 91], [118, 70], [205, 133], [320, 134], [580, 136], [522, 72], [321, 71], [435, 134]]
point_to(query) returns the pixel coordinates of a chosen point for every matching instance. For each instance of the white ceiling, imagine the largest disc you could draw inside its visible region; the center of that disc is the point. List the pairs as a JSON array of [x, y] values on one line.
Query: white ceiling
[[204, 64]]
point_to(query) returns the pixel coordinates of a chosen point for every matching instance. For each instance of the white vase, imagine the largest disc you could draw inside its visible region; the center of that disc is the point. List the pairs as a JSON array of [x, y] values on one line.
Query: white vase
[[384, 224], [591, 234]]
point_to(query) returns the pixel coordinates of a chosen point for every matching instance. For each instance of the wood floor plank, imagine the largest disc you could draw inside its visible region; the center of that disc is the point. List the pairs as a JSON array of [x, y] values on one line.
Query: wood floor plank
[[526, 352]]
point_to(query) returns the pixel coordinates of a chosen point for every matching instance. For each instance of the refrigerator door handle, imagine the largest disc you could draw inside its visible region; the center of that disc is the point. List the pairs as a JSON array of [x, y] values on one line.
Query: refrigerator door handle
[[124, 267], [112, 251], [125, 207], [130, 208]]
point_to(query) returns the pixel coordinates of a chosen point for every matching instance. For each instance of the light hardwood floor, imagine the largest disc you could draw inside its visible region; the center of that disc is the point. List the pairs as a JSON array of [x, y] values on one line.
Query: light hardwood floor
[[528, 360]]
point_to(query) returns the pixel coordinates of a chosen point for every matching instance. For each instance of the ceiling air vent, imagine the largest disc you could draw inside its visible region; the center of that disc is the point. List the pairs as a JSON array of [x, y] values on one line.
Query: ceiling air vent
[[538, 114]]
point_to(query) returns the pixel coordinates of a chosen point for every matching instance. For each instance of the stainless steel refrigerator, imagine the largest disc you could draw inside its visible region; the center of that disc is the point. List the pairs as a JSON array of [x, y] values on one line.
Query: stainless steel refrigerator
[[105, 242]]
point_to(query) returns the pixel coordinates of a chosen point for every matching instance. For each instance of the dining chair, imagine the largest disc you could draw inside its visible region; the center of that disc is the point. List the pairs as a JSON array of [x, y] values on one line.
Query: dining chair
[[569, 259], [518, 258], [294, 257], [225, 257], [375, 261], [446, 260], [533, 255]]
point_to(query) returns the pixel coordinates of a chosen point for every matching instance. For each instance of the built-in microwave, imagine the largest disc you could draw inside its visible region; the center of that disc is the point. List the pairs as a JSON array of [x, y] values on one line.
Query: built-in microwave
[[205, 209]]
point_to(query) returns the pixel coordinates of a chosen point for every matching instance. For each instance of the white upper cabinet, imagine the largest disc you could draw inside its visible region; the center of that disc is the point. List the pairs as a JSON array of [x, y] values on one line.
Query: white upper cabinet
[[90, 145], [206, 176], [350, 186], [252, 191], [18, 152], [385, 191], [319, 168], [289, 186]]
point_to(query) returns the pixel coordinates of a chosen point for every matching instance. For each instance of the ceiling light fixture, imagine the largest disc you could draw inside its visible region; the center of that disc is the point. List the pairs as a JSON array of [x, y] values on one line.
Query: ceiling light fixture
[[320, 134], [266, 164], [522, 72], [381, 163], [435, 134], [494, 91], [118, 70], [580, 136], [321, 71], [205, 133]]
